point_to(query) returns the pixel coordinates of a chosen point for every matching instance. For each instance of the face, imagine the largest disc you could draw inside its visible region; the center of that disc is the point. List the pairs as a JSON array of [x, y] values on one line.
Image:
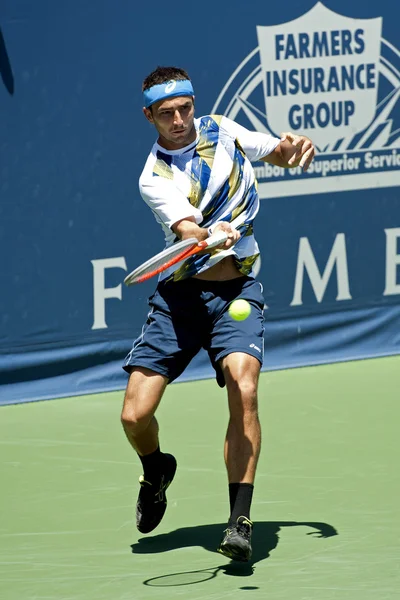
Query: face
[[173, 118]]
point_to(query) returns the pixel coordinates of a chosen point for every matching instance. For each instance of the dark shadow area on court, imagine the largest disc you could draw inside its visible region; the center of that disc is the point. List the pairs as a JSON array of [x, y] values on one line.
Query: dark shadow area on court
[[265, 539], [5, 66]]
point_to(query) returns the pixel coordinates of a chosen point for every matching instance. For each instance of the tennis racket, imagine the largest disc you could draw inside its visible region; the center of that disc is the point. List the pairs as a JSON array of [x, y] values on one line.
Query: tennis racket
[[172, 256]]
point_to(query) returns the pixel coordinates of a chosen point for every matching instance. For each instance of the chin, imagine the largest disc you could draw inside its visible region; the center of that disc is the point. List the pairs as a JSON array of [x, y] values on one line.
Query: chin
[[179, 139]]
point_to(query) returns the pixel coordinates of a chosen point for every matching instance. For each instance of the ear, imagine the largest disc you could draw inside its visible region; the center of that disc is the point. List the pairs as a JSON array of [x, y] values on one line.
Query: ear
[[148, 114]]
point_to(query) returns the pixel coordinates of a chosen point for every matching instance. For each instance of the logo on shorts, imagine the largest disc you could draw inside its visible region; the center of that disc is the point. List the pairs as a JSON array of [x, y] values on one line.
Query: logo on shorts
[[171, 85], [334, 79], [255, 347]]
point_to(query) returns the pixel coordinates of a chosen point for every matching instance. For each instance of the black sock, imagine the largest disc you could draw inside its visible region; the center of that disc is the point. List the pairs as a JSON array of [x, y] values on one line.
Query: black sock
[[240, 497], [152, 465], [233, 490]]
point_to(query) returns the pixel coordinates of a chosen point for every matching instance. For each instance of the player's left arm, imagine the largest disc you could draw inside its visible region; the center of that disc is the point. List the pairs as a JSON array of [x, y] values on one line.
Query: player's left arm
[[288, 151], [292, 151]]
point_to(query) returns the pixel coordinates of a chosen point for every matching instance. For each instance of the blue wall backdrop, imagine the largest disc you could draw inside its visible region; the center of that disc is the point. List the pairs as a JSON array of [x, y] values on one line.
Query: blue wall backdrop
[[73, 141]]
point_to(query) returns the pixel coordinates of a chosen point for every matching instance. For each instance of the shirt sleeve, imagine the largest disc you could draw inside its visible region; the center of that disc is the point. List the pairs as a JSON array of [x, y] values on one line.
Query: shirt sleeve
[[167, 202], [255, 145]]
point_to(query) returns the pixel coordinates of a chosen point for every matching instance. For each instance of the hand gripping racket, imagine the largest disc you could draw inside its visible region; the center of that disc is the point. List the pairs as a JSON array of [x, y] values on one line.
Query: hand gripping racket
[[172, 256]]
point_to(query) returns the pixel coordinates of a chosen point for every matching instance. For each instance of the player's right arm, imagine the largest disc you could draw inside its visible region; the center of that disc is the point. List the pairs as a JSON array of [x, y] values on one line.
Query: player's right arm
[[187, 228], [168, 204], [173, 210]]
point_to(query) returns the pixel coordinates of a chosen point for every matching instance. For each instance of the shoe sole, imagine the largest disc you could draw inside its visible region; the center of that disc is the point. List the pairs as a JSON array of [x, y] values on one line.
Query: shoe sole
[[226, 551]]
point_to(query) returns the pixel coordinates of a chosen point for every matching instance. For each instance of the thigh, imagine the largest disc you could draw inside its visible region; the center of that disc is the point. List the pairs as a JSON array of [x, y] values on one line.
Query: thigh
[[244, 337], [170, 338]]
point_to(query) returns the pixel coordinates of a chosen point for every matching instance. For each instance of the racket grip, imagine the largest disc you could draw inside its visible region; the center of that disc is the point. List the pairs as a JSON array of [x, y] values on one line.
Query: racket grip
[[216, 239]]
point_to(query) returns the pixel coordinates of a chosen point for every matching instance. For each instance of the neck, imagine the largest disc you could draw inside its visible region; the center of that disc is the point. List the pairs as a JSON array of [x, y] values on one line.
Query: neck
[[170, 145]]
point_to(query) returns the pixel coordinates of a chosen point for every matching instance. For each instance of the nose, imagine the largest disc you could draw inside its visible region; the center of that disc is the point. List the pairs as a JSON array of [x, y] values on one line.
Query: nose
[[178, 121]]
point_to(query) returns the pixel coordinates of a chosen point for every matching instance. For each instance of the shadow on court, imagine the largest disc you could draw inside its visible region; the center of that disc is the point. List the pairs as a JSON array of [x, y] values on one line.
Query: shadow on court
[[265, 539]]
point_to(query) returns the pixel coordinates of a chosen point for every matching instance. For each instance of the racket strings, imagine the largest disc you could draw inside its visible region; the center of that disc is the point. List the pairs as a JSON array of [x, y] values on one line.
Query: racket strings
[[162, 261], [165, 261], [172, 256]]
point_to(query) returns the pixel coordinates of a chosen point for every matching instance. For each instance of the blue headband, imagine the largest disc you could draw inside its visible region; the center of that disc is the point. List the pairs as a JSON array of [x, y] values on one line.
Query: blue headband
[[170, 89]]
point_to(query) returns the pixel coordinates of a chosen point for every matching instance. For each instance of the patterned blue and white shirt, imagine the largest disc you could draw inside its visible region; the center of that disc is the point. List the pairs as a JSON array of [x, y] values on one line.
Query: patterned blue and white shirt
[[212, 180]]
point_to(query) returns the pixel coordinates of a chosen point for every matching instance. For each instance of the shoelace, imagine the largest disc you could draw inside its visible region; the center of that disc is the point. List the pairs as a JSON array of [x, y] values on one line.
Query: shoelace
[[143, 481], [244, 528], [149, 488]]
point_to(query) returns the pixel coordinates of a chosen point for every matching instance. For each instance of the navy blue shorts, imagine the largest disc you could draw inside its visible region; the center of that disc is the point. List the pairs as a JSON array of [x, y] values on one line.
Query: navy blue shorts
[[188, 315]]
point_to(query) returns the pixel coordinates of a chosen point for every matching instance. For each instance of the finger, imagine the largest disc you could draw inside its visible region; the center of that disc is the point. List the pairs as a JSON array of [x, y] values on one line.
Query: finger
[[222, 227], [230, 230], [301, 150], [306, 146], [287, 135], [295, 157], [233, 237], [298, 140], [307, 158]]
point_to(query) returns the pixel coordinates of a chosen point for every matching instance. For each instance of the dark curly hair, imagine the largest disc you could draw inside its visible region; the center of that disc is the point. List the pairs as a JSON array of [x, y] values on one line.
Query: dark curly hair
[[162, 75]]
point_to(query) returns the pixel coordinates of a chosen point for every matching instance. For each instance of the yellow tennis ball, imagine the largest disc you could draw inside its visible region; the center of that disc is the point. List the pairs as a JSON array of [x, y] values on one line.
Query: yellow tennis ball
[[239, 309]]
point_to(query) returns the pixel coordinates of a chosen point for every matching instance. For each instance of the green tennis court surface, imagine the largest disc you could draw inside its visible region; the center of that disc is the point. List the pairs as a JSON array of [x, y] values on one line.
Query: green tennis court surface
[[326, 502]]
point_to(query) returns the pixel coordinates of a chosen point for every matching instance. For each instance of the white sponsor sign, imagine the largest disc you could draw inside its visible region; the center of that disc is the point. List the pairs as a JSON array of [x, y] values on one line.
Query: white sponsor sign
[[320, 75]]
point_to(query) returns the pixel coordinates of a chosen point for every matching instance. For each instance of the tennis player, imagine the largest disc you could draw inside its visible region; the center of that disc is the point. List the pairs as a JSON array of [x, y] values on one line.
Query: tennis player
[[198, 179]]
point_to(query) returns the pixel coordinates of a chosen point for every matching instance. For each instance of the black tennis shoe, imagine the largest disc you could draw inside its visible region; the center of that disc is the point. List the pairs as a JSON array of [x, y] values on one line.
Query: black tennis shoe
[[152, 500], [236, 543]]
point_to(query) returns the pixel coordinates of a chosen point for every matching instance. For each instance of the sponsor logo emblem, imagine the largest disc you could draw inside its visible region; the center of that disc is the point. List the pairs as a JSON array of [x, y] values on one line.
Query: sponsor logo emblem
[[255, 347], [160, 496], [334, 79], [171, 85]]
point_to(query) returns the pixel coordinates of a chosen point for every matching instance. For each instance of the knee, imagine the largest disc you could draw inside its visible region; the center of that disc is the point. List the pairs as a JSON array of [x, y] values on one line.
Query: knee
[[133, 422], [243, 387], [243, 405]]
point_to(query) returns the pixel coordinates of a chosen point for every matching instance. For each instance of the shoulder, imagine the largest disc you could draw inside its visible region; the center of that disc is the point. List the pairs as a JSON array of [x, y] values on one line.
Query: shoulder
[[222, 124], [157, 165], [150, 160], [156, 180], [212, 122], [216, 127]]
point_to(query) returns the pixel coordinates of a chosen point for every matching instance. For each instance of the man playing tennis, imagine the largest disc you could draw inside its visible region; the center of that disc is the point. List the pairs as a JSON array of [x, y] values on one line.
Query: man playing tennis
[[198, 179]]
